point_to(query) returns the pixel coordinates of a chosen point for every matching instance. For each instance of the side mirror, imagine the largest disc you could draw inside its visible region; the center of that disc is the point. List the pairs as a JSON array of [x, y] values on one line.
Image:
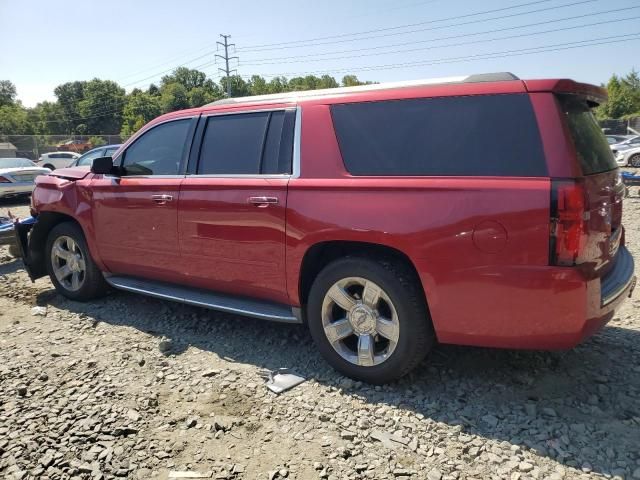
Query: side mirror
[[103, 165]]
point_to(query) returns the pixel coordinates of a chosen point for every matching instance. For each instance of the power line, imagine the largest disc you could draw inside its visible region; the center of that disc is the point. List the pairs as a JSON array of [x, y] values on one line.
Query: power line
[[483, 56], [388, 34], [314, 41], [473, 34], [471, 42], [226, 59]]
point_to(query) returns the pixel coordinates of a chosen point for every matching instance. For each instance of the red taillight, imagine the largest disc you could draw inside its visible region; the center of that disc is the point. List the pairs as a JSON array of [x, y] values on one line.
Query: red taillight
[[4, 179], [568, 222]]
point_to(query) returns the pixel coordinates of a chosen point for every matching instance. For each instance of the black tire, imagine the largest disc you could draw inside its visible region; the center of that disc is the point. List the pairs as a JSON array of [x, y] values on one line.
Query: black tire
[[49, 166], [634, 161], [93, 284], [401, 285]]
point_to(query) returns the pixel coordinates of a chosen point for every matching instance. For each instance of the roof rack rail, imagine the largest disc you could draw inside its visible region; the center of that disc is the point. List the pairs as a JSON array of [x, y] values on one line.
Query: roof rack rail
[[301, 94]]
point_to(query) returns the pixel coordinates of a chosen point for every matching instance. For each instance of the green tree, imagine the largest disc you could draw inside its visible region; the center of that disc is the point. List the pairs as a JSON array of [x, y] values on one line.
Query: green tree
[[173, 97], [258, 85], [102, 106], [8, 93], [187, 77], [153, 90], [14, 120], [278, 85], [47, 118], [239, 88], [69, 96], [141, 108], [624, 97], [97, 141], [352, 81]]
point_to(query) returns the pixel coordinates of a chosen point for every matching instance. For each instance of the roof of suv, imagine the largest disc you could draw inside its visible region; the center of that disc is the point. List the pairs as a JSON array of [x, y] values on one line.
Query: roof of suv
[[501, 82], [478, 84], [325, 92]]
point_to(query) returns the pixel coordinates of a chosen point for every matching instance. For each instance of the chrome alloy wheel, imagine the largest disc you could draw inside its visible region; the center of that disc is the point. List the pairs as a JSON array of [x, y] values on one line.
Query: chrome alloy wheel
[[68, 263], [360, 321]]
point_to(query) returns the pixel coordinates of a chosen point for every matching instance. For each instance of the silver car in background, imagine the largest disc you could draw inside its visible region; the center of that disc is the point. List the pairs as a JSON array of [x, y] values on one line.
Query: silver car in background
[[17, 176]]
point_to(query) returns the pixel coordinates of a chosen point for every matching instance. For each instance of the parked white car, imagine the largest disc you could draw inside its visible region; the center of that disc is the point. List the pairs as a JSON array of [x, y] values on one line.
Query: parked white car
[[630, 142], [17, 176], [53, 160], [628, 157]]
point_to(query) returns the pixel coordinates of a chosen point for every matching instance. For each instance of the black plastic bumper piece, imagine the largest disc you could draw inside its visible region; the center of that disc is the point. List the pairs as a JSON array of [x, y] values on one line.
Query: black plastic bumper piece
[[21, 236], [619, 278]]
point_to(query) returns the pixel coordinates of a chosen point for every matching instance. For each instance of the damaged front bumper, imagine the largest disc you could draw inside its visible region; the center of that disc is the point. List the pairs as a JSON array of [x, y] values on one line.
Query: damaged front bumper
[[20, 234]]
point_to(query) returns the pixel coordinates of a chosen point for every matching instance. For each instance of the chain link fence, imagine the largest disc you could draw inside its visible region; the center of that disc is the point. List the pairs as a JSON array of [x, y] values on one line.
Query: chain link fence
[[630, 126], [32, 146]]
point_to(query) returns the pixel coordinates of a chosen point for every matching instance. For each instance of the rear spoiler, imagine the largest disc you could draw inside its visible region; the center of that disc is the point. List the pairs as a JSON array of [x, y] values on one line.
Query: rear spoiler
[[593, 94]]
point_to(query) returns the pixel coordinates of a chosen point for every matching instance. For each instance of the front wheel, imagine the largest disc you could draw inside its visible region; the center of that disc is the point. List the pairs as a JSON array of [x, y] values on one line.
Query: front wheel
[[70, 266], [369, 318], [634, 161]]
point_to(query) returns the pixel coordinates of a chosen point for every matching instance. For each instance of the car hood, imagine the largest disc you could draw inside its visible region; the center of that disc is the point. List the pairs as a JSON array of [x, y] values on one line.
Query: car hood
[[39, 170], [73, 173]]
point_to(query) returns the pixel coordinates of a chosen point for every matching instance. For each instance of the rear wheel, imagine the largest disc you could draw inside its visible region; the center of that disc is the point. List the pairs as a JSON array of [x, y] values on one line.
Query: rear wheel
[[369, 318], [634, 161], [70, 266]]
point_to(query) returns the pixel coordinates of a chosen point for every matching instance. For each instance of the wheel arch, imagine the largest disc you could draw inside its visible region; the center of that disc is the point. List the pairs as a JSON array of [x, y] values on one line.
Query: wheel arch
[[38, 239], [319, 255]]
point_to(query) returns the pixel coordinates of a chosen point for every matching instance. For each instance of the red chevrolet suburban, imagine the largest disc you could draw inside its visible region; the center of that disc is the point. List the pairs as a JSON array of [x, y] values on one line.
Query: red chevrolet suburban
[[482, 210]]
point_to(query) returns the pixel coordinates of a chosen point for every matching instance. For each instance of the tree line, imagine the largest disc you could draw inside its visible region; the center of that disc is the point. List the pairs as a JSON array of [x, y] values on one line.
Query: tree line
[[624, 97], [103, 107]]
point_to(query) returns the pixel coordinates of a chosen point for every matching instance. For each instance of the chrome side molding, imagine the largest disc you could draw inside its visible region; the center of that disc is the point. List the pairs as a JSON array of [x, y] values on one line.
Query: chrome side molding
[[202, 298]]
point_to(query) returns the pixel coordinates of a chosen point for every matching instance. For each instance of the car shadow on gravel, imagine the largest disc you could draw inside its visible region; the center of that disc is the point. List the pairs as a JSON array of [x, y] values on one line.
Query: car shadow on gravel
[[577, 407], [11, 266]]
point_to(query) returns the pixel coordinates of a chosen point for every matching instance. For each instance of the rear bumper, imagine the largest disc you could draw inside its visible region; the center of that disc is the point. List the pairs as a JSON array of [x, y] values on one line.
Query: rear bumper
[[527, 307]]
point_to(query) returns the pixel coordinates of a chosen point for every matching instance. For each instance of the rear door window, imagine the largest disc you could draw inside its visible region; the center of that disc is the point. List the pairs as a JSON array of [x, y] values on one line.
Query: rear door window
[[247, 144], [592, 147], [484, 135]]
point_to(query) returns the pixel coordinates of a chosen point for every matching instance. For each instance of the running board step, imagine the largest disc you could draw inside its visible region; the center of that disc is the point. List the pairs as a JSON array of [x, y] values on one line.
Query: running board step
[[203, 298]]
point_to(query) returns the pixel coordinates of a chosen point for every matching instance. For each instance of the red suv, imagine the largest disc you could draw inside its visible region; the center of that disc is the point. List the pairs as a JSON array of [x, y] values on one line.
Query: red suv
[[482, 210]]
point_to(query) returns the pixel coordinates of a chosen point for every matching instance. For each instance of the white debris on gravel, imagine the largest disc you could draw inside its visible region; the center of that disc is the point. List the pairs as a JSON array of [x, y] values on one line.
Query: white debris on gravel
[[133, 387]]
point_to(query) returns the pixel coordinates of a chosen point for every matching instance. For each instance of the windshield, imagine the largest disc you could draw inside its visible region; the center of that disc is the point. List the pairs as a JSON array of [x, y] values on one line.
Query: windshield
[[16, 163], [592, 148]]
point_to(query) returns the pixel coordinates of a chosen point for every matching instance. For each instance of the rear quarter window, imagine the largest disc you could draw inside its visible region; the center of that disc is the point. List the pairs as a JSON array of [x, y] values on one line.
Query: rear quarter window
[[487, 135], [592, 148]]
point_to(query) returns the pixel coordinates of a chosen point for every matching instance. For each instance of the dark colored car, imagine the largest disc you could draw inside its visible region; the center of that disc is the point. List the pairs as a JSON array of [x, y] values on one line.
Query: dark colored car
[[362, 212]]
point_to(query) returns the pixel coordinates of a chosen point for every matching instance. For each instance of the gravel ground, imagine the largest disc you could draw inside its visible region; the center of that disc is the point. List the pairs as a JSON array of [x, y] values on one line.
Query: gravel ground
[[132, 387]]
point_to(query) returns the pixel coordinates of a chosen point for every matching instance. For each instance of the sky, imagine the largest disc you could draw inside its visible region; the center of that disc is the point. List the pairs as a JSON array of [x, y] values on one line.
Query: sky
[[45, 43]]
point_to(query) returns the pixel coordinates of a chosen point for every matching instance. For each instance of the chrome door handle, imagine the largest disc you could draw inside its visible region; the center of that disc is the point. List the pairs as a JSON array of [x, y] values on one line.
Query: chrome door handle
[[161, 199], [263, 202]]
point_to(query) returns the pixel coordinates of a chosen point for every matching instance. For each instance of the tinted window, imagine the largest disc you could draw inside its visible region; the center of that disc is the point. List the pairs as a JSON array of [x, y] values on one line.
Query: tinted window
[[247, 144], [232, 144], [65, 155], [159, 151], [55, 155], [592, 148], [474, 135]]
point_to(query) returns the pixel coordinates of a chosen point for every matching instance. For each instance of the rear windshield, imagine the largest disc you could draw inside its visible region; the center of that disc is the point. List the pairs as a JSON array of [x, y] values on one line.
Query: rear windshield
[[594, 153], [482, 135]]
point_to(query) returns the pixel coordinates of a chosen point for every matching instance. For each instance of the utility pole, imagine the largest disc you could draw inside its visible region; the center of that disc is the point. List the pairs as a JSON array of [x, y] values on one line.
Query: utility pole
[[226, 59]]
